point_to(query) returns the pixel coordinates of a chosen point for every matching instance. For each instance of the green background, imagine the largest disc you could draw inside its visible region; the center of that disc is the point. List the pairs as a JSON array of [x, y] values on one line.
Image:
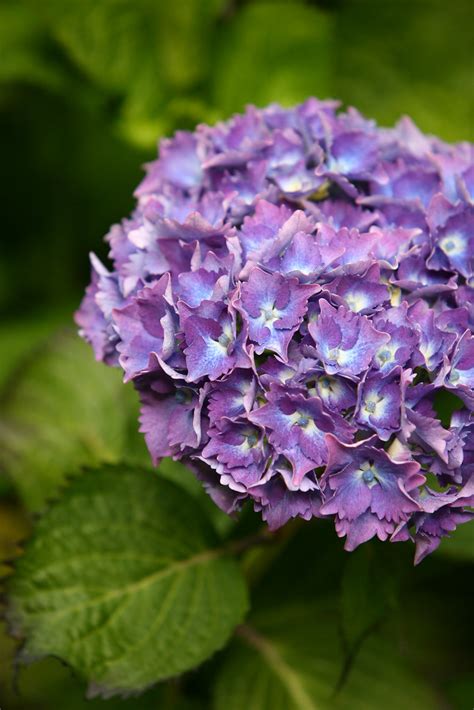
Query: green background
[[86, 88]]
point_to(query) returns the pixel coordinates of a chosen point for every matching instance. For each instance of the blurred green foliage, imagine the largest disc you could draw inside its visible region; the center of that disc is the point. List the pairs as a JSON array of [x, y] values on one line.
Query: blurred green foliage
[[86, 89]]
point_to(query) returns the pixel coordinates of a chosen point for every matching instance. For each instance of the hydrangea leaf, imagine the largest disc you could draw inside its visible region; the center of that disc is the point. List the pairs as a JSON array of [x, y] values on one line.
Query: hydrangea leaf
[[124, 581], [48, 682], [64, 411], [289, 42], [435, 643], [368, 591], [291, 658]]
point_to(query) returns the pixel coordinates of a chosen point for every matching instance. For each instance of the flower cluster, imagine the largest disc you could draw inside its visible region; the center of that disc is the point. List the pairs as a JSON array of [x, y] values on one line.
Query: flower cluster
[[293, 298]]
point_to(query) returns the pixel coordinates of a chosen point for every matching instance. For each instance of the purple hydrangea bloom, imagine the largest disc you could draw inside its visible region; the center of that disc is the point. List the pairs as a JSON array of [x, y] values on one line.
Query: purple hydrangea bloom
[[368, 491], [273, 307], [345, 342], [292, 297], [379, 403], [296, 427]]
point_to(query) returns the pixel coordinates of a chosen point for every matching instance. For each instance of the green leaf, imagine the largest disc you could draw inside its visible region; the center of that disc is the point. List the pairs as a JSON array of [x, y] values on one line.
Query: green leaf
[[285, 660], [62, 411], [434, 641], [380, 677], [123, 580], [272, 51], [368, 591], [291, 658]]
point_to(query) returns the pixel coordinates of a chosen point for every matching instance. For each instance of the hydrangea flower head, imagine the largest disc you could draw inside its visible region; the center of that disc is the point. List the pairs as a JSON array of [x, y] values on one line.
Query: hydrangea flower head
[[292, 297]]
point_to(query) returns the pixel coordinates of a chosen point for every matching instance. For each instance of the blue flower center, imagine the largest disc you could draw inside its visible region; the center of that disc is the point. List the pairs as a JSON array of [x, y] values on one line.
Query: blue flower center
[[180, 396], [303, 421], [449, 245], [252, 440], [370, 407], [384, 355], [368, 476], [325, 383], [269, 314]]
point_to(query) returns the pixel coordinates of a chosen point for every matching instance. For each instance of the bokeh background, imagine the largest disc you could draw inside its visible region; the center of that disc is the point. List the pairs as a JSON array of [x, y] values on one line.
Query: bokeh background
[[86, 88]]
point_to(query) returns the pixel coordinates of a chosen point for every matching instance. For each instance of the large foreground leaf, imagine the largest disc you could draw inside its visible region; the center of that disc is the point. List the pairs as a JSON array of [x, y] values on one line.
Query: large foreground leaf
[[291, 658], [124, 581]]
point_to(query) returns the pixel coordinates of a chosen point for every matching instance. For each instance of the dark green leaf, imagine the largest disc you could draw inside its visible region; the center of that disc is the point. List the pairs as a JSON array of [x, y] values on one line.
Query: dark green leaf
[[291, 658], [432, 622], [288, 659], [124, 581], [368, 591]]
